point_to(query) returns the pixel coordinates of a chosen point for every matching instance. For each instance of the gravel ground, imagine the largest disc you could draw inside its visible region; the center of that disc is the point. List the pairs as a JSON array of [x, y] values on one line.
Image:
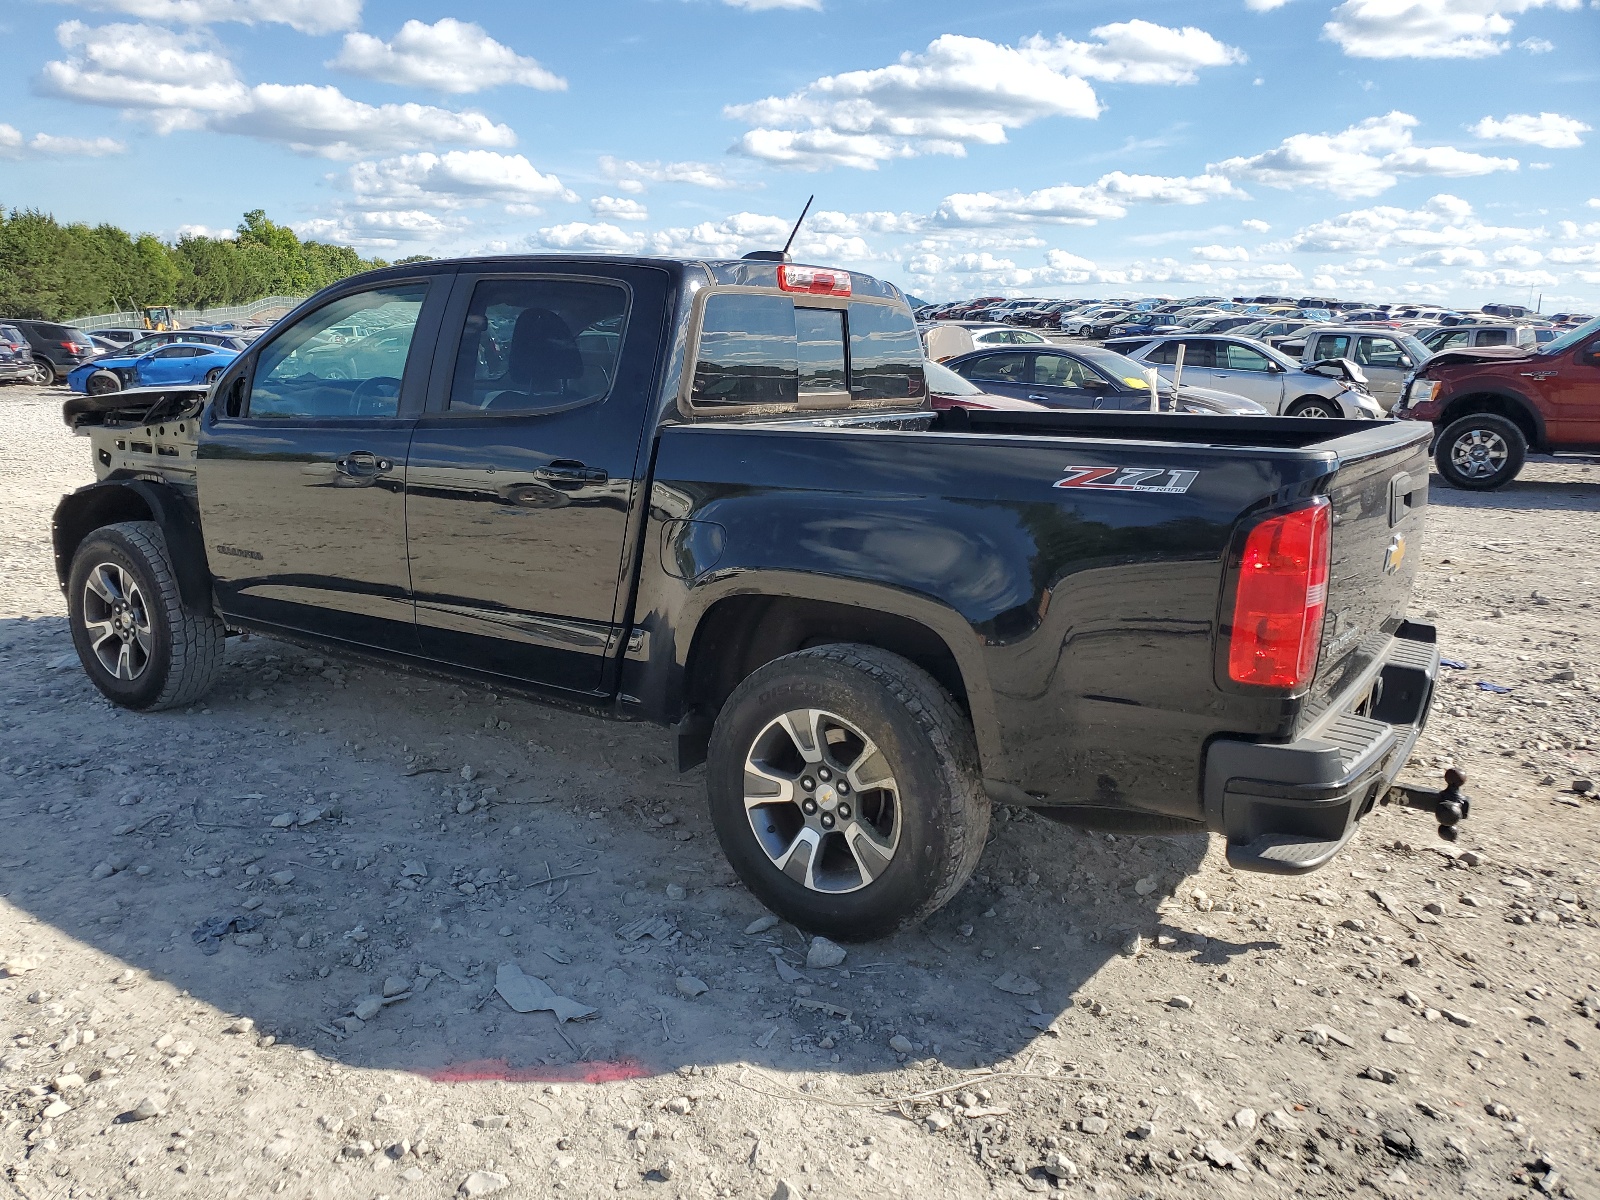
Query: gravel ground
[[1094, 1015]]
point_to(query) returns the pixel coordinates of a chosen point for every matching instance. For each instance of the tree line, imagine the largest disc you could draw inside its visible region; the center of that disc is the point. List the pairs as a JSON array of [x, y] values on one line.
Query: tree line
[[60, 272]]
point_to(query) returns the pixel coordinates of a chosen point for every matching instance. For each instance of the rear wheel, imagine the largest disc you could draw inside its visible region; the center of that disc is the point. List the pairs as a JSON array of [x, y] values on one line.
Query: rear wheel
[[138, 643], [1313, 406], [845, 790], [1481, 452], [43, 373]]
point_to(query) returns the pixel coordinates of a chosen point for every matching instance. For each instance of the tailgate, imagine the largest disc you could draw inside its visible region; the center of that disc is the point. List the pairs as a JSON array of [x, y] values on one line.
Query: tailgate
[[1379, 500]]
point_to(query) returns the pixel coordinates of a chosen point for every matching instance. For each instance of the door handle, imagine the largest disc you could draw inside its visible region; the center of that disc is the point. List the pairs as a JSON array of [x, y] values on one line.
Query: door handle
[[362, 464], [570, 472], [1036, 396]]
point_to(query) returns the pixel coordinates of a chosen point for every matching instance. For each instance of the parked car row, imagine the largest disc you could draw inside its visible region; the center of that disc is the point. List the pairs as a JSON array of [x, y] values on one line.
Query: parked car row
[[107, 360]]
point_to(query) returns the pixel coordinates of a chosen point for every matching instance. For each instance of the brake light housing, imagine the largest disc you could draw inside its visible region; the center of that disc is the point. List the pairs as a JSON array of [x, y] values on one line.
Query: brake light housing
[[1281, 599], [813, 281]]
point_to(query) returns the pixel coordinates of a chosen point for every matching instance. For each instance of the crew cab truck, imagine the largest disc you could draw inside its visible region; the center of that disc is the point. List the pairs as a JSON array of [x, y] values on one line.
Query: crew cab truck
[[1490, 405], [714, 495]]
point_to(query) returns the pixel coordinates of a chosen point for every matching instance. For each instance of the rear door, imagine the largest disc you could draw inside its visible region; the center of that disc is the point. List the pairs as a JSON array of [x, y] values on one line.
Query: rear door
[[1004, 374], [302, 474], [524, 468]]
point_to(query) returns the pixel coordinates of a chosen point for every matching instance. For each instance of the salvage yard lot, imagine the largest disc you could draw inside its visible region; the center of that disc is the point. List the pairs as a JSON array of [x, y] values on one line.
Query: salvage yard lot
[[1416, 1019]]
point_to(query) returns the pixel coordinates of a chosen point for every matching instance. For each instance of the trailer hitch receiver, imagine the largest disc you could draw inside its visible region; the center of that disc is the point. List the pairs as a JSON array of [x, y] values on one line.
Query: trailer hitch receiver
[[1448, 806]]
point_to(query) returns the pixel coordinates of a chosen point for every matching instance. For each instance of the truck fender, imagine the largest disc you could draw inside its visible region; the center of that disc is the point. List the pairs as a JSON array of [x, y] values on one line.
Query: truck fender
[[89, 508], [1512, 403], [939, 619]]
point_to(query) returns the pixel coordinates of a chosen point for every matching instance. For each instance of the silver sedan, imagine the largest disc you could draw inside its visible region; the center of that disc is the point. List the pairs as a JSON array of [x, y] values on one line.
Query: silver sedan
[[1257, 372]]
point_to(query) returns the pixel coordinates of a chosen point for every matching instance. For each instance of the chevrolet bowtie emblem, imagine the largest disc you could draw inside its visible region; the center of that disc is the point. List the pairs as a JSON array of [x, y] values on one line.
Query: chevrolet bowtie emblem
[[1396, 554]]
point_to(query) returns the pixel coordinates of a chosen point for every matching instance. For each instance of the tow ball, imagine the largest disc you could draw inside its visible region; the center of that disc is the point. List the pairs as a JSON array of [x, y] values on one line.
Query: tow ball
[[1448, 806]]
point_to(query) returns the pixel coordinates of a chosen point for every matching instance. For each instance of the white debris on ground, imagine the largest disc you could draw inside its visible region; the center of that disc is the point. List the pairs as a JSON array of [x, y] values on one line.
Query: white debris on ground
[[376, 860]]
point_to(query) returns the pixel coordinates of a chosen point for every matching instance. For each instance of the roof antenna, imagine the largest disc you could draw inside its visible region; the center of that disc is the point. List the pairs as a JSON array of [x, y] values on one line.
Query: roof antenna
[[783, 255]]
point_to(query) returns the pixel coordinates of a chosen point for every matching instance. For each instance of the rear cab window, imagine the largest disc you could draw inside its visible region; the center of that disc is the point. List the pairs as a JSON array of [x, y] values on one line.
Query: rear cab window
[[761, 352]]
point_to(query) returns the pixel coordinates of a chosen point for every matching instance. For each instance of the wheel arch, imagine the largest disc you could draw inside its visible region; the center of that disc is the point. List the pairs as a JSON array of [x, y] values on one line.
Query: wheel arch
[[1511, 405], [93, 507], [743, 625]]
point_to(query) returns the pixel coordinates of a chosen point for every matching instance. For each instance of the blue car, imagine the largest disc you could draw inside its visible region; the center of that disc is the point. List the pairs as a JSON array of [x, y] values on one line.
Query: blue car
[[178, 362]]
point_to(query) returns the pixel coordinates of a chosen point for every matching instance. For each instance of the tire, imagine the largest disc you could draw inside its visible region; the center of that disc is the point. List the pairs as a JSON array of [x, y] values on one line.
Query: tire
[[929, 811], [102, 383], [1480, 452], [1314, 406], [212, 376], [145, 651], [43, 373]]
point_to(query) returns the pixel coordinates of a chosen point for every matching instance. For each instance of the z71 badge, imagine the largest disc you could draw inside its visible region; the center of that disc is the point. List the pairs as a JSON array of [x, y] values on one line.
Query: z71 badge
[[1129, 479]]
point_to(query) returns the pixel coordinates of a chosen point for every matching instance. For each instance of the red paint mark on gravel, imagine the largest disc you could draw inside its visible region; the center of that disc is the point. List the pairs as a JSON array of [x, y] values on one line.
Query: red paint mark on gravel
[[498, 1070]]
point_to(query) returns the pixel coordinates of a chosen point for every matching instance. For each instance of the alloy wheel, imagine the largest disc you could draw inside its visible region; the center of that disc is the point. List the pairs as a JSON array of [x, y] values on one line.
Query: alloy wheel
[[117, 620], [1479, 453], [822, 801]]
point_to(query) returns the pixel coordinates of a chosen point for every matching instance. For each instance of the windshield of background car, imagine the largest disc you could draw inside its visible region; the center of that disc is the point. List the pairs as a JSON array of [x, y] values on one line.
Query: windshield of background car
[[945, 382], [1571, 337]]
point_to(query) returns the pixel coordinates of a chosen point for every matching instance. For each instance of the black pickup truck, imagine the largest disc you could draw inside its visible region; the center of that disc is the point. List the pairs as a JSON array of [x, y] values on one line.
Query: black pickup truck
[[713, 495]]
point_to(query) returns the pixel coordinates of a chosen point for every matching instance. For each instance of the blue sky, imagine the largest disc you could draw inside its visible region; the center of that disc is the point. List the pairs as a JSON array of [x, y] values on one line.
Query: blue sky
[[1430, 149]]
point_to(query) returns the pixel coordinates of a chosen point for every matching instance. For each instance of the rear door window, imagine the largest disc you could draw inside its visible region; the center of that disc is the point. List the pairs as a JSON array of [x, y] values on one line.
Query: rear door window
[[1001, 368], [1198, 353], [534, 345]]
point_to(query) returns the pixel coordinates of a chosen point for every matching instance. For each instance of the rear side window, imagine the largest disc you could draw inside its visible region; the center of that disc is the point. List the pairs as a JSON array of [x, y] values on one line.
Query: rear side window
[[1493, 337]]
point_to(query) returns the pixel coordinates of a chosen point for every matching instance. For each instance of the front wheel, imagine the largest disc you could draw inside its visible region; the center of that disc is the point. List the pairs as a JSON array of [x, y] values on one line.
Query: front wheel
[[1314, 406], [103, 383], [138, 643], [1481, 452], [844, 787], [212, 376]]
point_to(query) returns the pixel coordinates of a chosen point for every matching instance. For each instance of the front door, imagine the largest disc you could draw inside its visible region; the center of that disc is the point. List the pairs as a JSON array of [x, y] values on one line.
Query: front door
[[1386, 364], [524, 469], [1572, 394], [1064, 382], [1245, 371], [302, 467]]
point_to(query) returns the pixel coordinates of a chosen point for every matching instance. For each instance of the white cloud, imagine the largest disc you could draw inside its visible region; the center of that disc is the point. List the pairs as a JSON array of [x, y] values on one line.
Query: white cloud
[[632, 176], [1071, 204], [1450, 256], [383, 229], [1136, 52], [1444, 221], [13, 145], [450, 55], [619, 208], [205, 231], [1519, 256], [183, 81], [1264, 5], [1509, 278], [453, 178], [308, 16], [1255, 225], [1363, 160], [1576, 254], [1550, 130], [1537, 45], [1429, 28], [961, 91], [765, 5], [1221, 253]]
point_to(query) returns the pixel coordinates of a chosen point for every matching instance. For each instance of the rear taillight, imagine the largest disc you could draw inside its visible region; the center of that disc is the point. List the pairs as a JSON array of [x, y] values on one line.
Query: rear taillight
[[1282, 596], [814, 281]]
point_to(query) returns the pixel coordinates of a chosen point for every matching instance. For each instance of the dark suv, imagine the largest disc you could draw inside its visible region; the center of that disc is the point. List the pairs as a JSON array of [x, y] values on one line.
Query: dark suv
[[55, 349]]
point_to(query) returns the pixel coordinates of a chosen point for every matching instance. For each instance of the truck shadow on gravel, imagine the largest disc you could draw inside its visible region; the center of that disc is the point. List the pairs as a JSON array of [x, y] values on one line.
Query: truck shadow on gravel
[[1521, 495], [358, 831]]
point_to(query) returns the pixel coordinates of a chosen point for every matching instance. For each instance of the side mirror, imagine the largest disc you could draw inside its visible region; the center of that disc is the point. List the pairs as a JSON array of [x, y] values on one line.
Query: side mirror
[[1096, 385], [1405, 361]]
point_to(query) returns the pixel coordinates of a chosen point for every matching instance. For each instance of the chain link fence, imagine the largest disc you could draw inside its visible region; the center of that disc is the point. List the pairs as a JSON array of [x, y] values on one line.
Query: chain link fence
[[274, 306]]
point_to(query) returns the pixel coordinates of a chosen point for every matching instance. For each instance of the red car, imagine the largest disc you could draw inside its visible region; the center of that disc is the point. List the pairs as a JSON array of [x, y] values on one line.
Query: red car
[[1489, 406]]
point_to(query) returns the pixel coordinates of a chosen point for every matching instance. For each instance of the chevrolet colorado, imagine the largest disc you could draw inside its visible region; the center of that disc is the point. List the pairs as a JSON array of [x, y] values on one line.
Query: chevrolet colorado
[[714, 495]]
